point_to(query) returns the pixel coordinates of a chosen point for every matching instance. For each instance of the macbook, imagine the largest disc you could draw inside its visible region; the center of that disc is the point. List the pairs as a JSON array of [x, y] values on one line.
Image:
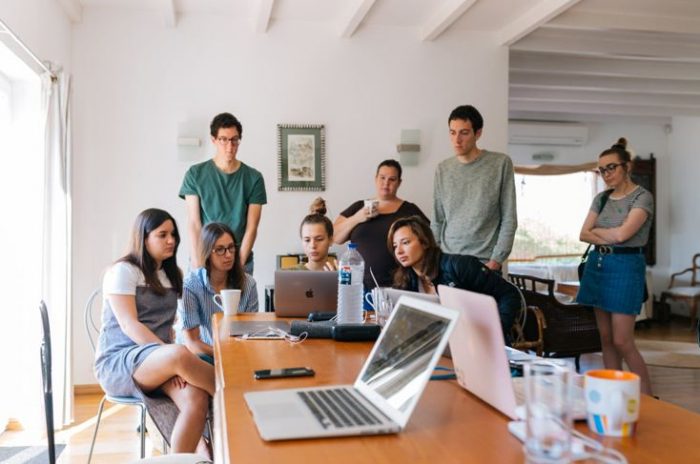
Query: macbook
[[394, 294], [385, 392], [298, 293], [480, 357]]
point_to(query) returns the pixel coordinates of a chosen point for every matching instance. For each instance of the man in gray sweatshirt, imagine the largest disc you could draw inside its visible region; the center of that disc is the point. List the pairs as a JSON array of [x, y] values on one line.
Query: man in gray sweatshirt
[[474, 195]]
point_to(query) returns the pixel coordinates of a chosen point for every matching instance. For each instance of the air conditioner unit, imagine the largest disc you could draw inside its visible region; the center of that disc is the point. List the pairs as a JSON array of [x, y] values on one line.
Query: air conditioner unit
[[541, 133]]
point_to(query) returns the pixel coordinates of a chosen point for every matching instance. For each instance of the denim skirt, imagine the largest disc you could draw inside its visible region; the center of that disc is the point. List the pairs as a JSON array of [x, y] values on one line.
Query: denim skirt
[[613, 282]]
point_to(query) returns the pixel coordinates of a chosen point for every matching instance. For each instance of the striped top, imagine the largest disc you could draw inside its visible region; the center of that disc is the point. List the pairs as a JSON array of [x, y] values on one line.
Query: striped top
[[197, 305], [615, 212]]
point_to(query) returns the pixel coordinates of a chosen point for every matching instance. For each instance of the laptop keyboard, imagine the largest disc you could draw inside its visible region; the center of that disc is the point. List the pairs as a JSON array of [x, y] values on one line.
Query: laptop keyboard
[[337, 407]]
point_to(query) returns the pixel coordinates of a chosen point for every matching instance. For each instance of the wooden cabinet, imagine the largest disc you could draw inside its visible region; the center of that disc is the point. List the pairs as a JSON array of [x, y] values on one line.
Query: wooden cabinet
[[644, 174]]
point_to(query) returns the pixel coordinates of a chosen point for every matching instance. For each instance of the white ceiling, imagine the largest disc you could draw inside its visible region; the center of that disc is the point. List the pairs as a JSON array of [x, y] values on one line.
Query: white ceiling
[[569, 60]]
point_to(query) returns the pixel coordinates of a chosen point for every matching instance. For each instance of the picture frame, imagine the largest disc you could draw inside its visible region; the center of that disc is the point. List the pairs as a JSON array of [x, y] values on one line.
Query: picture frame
[[301, 157]]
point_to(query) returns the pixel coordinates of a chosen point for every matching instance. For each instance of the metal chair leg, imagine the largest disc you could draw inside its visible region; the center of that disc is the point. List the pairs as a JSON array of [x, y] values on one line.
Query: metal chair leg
[[97, 425], [143, 430]]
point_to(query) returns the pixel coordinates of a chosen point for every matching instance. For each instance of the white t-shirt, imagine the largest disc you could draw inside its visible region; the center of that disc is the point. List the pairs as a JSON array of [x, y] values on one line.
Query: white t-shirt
[[123, 278]]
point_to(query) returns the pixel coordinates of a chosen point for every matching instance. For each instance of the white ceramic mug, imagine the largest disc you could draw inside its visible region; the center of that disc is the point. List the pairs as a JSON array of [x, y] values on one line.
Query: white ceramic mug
[[612, 402], [373, 207], [228, 300]]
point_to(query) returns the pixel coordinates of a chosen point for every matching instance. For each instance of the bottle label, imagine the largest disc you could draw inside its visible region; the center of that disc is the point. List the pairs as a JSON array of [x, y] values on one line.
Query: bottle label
[[345, 275]]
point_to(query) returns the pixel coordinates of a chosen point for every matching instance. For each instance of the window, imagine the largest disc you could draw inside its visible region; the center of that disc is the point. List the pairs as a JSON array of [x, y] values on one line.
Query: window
[[551, 210]]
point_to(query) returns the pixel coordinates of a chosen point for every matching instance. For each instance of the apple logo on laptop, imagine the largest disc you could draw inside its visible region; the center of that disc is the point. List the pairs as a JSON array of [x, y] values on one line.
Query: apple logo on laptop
[[310, 293]]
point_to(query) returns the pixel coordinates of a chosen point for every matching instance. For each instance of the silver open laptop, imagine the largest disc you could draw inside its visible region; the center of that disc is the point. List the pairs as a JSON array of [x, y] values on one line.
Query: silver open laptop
[[479, 355], [298, 293], [385, 392]]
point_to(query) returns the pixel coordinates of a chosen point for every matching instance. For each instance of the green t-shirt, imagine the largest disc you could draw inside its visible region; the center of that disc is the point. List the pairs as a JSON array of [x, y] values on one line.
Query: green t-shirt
[[225, 197]]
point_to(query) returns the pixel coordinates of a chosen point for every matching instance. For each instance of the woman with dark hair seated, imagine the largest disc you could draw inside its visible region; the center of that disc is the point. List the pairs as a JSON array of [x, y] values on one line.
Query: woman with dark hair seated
[[222, 270], [135, 354], [423, 266], [316, 232]]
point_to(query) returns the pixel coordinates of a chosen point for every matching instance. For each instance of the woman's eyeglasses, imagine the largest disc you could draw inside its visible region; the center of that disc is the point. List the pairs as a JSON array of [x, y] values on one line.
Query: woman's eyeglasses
[[610, 168], [220, 251]]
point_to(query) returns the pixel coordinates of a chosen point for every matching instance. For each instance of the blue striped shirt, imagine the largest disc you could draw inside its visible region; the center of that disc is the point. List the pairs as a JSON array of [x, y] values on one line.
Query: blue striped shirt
[[197, 305]]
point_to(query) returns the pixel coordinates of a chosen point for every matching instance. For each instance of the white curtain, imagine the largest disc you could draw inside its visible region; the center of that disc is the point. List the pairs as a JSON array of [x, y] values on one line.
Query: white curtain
[[56, 249]]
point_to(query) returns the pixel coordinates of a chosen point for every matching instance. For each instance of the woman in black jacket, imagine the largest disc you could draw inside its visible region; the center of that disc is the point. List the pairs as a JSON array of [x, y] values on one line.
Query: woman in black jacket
[[423, 266]]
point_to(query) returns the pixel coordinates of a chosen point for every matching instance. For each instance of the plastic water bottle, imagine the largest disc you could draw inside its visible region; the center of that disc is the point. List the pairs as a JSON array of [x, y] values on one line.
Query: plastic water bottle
[[351, 272]]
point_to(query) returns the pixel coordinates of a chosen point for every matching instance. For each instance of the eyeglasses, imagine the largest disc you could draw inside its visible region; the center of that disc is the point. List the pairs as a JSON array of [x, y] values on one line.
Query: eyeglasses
[[220, 251], [609, 169], [226, 140]]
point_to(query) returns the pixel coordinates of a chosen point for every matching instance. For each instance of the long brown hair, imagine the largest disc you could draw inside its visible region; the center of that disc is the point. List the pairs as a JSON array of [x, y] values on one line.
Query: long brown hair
[[431, 258], [210, 234], [146, 222]]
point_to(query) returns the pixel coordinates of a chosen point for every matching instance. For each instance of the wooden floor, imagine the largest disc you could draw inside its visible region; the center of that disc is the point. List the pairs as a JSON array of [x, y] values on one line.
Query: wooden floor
[[118, 440]]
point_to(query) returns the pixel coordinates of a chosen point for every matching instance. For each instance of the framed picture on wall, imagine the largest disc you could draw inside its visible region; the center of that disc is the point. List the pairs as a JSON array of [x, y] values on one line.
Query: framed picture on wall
[[301, 157]]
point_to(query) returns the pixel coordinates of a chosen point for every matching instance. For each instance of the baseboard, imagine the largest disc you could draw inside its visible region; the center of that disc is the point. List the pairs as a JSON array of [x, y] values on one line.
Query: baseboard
[[87, 389]]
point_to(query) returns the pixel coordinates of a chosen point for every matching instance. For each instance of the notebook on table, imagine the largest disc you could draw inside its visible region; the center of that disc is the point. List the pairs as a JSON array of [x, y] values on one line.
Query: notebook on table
[[480, 357], [298, 293], [385, 392]]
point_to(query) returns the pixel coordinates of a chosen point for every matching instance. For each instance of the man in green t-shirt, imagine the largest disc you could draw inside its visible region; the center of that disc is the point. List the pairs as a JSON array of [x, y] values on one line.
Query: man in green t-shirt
[[223, 189]]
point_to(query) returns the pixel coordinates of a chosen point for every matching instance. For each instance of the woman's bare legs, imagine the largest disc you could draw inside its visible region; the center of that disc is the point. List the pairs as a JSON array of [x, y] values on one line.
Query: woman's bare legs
[[193, 403], [173, 360], [623, 339], [611, 357]]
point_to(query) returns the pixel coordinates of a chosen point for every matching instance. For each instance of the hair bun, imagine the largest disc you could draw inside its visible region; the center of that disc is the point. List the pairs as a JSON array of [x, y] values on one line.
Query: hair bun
[[621, 143], [318, 206]]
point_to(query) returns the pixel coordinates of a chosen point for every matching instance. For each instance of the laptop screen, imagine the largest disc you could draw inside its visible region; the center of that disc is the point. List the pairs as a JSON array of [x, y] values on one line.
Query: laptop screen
[[404, 352]]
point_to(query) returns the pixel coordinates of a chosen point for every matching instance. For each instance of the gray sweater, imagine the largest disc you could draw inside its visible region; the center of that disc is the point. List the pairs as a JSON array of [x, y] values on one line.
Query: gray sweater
[[474, 206]]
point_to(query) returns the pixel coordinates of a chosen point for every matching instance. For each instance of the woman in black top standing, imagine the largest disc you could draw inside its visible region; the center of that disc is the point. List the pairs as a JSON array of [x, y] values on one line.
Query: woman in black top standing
[[368, 229]]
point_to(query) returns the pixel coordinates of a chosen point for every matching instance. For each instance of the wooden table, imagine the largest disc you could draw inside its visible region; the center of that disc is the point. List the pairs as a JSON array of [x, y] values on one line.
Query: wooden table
[[449, 425], [569, 288]]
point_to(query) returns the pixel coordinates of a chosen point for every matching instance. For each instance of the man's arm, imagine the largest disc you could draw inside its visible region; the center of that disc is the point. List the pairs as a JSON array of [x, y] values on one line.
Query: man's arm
[[438, 213], [251, 232], [194, 228], [509, 219]]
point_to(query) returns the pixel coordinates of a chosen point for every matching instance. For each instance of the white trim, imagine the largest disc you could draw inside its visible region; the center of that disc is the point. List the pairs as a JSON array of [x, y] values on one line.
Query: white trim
[[444, 18], [355, 17]]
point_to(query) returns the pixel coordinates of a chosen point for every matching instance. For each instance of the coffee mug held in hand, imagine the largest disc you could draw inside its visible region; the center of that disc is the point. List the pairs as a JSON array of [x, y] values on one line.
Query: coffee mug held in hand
[[612, 402], [373, 207], [228, 300]]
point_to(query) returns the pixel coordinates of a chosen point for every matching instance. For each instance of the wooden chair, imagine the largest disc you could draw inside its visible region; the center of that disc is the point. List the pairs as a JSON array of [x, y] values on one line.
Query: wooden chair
[[689, 294], [569, 330]]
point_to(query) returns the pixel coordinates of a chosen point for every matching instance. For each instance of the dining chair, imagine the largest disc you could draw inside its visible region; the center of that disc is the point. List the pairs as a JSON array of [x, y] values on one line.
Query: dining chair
[[93, 329], [45, 352], [686, 292]]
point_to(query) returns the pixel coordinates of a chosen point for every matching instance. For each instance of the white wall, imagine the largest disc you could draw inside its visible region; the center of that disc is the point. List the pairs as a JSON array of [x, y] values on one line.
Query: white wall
[[136, 81], [684, 208]]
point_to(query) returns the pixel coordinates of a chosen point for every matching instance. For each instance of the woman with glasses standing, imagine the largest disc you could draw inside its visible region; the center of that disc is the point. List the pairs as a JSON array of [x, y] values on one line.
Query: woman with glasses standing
[[614, 275], [222, 270]]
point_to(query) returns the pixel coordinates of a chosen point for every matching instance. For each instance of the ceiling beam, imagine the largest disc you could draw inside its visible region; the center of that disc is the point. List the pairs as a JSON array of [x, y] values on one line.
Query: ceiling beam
[[580, 117], [588, 66], [630, 21], [261, 19], [169, 12], [532, 19], [73, 9], [605, 97], [598, 108], [537, 80], [355, 17], [611, 44], [444, 18]]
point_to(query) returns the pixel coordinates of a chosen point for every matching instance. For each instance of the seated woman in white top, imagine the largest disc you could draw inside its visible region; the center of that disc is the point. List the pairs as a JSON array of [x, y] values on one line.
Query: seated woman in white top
[[135, 354], [316, 232], [222, 270]]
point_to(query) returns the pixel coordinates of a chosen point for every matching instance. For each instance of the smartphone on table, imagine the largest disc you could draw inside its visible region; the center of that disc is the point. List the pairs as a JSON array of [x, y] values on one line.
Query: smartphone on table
[[284, 372]]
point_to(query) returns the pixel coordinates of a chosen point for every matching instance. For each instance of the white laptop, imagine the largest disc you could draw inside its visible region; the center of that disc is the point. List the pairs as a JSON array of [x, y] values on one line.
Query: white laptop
[[385, 392], [480, 357], [394, 294], [298, 293]]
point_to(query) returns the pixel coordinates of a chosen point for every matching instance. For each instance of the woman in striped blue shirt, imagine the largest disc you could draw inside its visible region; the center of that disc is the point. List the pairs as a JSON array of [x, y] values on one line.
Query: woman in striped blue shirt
[[222, 270]]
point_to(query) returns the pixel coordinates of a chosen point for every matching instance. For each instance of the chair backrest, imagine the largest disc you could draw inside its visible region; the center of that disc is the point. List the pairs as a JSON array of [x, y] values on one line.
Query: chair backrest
[[45, 351], [92, 327]]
